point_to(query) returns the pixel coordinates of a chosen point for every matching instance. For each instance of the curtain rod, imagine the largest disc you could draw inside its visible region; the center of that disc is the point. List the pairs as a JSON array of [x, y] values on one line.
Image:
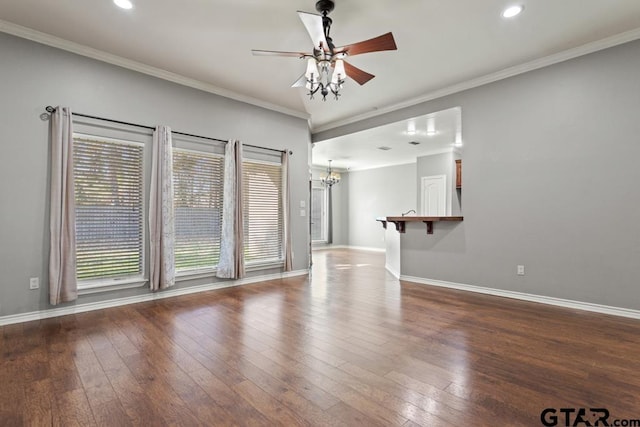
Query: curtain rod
[[51, 109]]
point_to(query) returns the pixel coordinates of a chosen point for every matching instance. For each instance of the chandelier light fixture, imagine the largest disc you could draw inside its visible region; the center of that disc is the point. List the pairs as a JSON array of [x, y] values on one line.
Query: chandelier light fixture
[[331, 178], [320, 76], [326, 67]]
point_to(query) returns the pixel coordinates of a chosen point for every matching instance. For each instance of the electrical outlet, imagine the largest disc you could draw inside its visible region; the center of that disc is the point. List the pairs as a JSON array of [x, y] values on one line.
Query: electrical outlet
[[303, 204], [303, 212], [520, 270], [34, 283]]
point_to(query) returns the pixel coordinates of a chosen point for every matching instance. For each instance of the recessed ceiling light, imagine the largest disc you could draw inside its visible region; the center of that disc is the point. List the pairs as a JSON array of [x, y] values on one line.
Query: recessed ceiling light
[[124, 4], [512, 11], [383, 148], [431, 126], [414, 143]]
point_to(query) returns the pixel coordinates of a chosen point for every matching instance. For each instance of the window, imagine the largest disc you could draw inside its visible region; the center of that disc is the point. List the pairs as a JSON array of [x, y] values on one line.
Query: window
[[109, 200], [198, 189], [263, 219], [318, 213]]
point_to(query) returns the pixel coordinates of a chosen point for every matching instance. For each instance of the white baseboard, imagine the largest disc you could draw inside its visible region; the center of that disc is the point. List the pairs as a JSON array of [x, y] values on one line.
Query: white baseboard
[[358, 248], [365, 248], [578, 305], [169, 293], [327, 246]]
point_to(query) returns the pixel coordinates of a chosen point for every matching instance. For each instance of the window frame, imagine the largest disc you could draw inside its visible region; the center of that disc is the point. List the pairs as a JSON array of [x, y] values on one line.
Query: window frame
[[103, 284], [316, 184], [197, 273], [271, 263]]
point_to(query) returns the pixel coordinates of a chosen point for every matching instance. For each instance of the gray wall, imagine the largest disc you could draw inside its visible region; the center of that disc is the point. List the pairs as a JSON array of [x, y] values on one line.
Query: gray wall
[[378, 192], [33, 76], [438, 164], [551, 175]]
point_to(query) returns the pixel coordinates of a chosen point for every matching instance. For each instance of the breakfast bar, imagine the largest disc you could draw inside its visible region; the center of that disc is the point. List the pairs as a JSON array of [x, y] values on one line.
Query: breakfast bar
[[393, 239], [400, 221]]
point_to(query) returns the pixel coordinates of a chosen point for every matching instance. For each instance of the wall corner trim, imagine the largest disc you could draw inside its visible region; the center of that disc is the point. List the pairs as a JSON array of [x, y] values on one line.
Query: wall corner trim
[[572, 304], [393, 272], [117, 302]]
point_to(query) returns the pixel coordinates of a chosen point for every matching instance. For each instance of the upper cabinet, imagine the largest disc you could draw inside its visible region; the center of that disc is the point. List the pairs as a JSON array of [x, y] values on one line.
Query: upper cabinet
[[458, 173]]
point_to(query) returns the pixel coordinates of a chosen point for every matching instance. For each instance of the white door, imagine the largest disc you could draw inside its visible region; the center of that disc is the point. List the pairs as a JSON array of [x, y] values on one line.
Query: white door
[[434, 195]]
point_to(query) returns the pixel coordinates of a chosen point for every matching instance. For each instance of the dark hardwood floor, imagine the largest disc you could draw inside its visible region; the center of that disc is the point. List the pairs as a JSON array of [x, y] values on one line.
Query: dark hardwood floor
[[351, 347]]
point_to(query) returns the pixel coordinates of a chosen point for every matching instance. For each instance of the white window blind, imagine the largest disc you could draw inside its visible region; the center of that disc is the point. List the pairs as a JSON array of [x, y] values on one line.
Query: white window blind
[[263, 219], [319, 213], [198, 190], [109, 192]]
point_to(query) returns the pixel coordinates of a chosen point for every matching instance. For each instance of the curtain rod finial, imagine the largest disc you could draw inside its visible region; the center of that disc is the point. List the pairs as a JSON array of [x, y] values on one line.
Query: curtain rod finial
[[50, 109]]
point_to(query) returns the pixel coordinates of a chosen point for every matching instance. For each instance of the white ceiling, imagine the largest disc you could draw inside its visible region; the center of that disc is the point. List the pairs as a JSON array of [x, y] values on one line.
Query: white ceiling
[[440, 43], [436, 133]]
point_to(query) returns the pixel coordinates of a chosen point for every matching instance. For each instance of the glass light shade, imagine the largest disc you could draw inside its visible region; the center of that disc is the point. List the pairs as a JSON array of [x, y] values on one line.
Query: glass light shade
[[338, 72], [331, 179], [312, 74]]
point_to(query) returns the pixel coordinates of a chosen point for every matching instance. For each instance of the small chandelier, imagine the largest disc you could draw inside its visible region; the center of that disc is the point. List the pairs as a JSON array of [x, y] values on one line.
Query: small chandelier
[[320, 77], [331, 178]]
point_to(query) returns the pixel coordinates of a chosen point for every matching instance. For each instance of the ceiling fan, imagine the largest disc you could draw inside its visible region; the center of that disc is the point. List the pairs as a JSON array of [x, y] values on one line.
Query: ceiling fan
[[326, 67]]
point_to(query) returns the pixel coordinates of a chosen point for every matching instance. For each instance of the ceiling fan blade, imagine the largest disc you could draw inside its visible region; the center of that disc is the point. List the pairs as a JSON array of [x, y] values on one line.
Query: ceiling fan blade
[[313, 24], [278, 53], [301, 82], [360, 76], [376, 44]]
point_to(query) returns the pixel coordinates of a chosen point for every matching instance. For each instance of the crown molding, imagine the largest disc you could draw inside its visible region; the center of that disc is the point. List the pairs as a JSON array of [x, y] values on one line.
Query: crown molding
[[49, 40], [79, 49], [556, 58]]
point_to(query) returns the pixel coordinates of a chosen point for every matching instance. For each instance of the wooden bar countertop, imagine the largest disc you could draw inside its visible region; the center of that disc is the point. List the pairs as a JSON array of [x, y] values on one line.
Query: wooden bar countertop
[[400, 221]]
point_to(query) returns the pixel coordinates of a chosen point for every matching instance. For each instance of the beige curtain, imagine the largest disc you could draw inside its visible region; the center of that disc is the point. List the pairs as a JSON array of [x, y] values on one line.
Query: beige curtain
[[62, 220], [161, 214], [286, 202], [231, 263]]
